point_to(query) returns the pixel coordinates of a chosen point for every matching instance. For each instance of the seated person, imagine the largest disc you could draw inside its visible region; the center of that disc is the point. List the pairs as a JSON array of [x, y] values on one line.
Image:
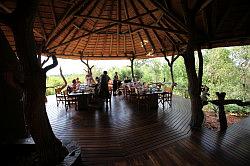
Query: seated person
[[97, 85], [97, 80], [78, 81], [126, 80], [73, 87]]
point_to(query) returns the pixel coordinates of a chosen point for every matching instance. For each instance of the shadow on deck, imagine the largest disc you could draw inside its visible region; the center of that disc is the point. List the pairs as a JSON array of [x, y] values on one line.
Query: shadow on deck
[[126, 136]]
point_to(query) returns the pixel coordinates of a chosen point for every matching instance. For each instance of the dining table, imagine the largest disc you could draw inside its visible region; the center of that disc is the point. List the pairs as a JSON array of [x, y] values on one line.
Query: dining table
[[83, 99]]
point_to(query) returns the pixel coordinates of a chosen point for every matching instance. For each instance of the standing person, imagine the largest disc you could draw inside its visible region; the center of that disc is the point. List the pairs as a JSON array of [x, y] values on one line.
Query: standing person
[[89, 79], [115, 83], [97, 85], [104, 90]]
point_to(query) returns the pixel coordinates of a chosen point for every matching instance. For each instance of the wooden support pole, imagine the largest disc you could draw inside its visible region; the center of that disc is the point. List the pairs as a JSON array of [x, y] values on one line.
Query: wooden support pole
[[170, 64], [194, 79], [222, 114], [132, 67], [193, 88], [200, 72], [50, 150]]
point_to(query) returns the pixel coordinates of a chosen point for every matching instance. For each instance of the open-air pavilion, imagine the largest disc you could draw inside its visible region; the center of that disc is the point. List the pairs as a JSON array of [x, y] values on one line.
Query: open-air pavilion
[[116, 29]]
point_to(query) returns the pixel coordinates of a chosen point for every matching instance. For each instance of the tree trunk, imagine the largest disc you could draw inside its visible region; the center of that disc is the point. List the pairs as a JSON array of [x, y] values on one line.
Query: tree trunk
[[193, 87], [12, 116], [171, 64], [132, 68], [49, 147], [172, 74], [200, 73]]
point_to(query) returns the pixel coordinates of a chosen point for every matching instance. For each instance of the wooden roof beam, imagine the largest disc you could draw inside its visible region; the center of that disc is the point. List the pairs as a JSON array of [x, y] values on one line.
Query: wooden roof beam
[[171, 16], [82, 23], [124, 41], [129, 27], [104, 43], [94, 26], [53, 12], [104, 57], [140, 25], [202, 6], [118, 26], [158, 39], [142, 41], [6, 9], [145, 31], [220, 24], [137, 29], [70, 12], [111, 44], [97, 40], [84, 35], [169, 37], [64, 38], [38, 34], [110, 15], [158, 22], [86, 43], [117, 21], [41, 25], [95, 31], [77, 27], [159, 19], [76, 45]]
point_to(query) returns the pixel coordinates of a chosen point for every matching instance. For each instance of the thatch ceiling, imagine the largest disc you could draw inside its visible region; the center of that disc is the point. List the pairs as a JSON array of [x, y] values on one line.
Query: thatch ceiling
[[118, 29]]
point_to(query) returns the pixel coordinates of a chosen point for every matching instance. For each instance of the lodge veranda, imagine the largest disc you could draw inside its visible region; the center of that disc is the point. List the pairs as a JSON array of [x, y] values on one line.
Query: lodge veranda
[[145, 123]]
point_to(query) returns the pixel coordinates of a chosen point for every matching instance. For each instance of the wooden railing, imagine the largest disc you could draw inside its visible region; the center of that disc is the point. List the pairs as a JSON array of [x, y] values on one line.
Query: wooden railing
[[221, 102]]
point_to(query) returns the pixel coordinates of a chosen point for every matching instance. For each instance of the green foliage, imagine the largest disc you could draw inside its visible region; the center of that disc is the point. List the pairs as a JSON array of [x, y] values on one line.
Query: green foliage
[[223, 73], [180, 77]]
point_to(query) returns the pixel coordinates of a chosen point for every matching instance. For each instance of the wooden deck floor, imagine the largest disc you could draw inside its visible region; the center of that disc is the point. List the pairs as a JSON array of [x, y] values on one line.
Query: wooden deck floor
[[126, 136]]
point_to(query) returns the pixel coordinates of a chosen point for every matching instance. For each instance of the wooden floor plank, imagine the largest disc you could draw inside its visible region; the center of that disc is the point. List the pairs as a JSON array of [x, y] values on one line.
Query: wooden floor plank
[[124, 135]]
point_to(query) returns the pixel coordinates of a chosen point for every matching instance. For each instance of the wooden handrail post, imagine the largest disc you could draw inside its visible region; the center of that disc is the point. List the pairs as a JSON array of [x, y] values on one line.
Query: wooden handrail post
[[222, 114]]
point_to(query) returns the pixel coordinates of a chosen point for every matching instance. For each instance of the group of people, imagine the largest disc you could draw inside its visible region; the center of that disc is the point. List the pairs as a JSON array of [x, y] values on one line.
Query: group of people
[[74, 86], [101, 84]]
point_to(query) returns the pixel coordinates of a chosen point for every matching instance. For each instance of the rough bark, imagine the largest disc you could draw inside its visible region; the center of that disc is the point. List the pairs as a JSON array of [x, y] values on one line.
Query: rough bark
[[200, 73], [132, 67], [194, 81], [89, 69], [12, 117], [171, 64], [194, 89], [59, 89], [49, 147]]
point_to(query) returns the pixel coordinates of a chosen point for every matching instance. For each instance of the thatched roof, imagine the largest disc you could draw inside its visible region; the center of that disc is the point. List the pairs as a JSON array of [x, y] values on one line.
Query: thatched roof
[[118, 29]]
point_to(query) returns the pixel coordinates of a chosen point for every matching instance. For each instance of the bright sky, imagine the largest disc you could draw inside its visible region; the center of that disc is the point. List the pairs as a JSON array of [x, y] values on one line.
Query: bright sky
[[77, 67]]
